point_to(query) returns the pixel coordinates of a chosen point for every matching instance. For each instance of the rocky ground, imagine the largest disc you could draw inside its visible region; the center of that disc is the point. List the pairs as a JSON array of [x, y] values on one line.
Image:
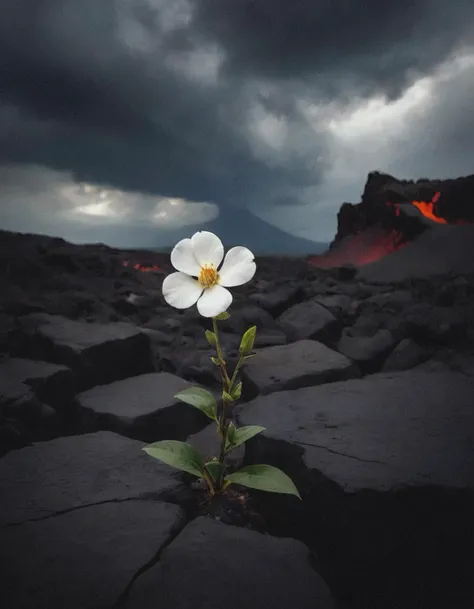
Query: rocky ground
[[367, 393]]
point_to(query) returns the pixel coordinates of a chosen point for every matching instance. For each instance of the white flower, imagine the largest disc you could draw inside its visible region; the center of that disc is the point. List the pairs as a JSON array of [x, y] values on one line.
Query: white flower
[[200, 257]]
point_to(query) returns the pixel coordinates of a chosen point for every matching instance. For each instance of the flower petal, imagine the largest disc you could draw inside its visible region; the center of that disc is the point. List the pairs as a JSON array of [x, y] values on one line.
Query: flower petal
[[207, 248], [215, 300], [180, 290], [182, 258], [238, 268]]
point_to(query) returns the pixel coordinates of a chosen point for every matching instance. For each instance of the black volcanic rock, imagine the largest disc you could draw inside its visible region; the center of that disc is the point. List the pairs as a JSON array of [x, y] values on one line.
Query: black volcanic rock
[[273, 573], [455, 203], [371, 457]]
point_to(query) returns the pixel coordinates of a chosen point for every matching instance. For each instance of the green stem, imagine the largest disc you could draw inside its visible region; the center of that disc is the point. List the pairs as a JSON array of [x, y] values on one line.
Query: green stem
[[220, 357], [234, 376], [227, 387], [209, 483]]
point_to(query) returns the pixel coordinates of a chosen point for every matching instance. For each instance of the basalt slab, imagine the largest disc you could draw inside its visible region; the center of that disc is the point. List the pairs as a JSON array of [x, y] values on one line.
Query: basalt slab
[[382, 433], [97, 353], [84, 558], [309, 319], [300, 364], [144, 407], [53, 384], [68, 473], [254, 570], [369, 352]]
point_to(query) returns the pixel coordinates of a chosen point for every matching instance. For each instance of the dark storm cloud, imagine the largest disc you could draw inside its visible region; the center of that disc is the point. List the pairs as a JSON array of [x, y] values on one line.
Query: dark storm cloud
[[90, 87], [344, 45], [121, 116]]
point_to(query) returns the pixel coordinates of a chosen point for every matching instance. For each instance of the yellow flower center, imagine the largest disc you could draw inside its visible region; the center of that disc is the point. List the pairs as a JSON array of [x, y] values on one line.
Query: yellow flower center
[[208, 276]]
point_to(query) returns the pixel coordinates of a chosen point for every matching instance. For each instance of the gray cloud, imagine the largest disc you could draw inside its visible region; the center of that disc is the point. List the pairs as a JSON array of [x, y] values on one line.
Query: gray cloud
[[344, 46], [229, 103]]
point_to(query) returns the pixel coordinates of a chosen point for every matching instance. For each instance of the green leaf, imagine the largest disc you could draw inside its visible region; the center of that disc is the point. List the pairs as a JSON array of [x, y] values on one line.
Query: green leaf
[[227, 397], [211, 338], [242, 434], [250, 356], [222, 316], [264, 478], [214, 469], [200, 399], [230, 435], [248, 339], [215, 361], [237, 391], [177, 454]]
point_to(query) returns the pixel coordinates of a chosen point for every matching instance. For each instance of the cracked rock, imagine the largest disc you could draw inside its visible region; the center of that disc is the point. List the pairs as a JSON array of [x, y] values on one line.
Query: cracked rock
[[380, 433], [368, 351], [406, 355], [82, 559], [143, 406], [72, 472], [212, 565], [300, 364], [97, 353], [50, 383], [309, 319]]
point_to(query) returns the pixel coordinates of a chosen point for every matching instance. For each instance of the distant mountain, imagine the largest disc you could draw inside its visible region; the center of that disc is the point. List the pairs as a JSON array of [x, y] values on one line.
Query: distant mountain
[[240, 227], [233, 226]]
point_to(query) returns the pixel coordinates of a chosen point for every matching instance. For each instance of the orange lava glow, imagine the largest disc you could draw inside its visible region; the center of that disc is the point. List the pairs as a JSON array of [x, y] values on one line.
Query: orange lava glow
[[360, 249], [140, 267], [427, 209]]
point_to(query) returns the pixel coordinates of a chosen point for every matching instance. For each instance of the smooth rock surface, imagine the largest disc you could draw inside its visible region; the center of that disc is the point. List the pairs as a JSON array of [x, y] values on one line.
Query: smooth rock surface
[[276, 300], [98, 353], [254, 571], [72, 472], [299, 364], [309, 319], [82, 559], [144, 402], [382, 432], [368, 351]]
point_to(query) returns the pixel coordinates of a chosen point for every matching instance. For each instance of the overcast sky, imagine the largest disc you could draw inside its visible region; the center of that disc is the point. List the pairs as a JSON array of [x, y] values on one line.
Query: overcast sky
[[171, 112]]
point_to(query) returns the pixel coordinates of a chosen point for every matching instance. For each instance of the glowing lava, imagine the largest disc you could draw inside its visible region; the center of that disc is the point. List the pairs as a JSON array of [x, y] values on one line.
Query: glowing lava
[[427, 209], [362, 248], [143, 268]]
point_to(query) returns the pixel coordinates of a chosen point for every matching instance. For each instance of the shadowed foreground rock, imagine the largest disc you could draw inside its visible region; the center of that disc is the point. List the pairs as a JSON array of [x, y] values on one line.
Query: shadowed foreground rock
[[53, 477], [83, 558], [378, 433], [198, 569]]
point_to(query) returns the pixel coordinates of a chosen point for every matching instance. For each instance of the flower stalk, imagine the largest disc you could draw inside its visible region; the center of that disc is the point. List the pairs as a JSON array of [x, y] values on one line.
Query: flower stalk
[[227, 386], [200, 281]]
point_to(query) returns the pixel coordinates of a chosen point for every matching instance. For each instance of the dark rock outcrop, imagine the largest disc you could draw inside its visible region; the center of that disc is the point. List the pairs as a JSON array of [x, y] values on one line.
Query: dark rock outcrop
[[453, 205]]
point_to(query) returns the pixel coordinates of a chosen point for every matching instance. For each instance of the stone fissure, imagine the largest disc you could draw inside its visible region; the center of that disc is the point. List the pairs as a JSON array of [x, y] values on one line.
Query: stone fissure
[[120, 603], [74, 509], [336, 452]]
